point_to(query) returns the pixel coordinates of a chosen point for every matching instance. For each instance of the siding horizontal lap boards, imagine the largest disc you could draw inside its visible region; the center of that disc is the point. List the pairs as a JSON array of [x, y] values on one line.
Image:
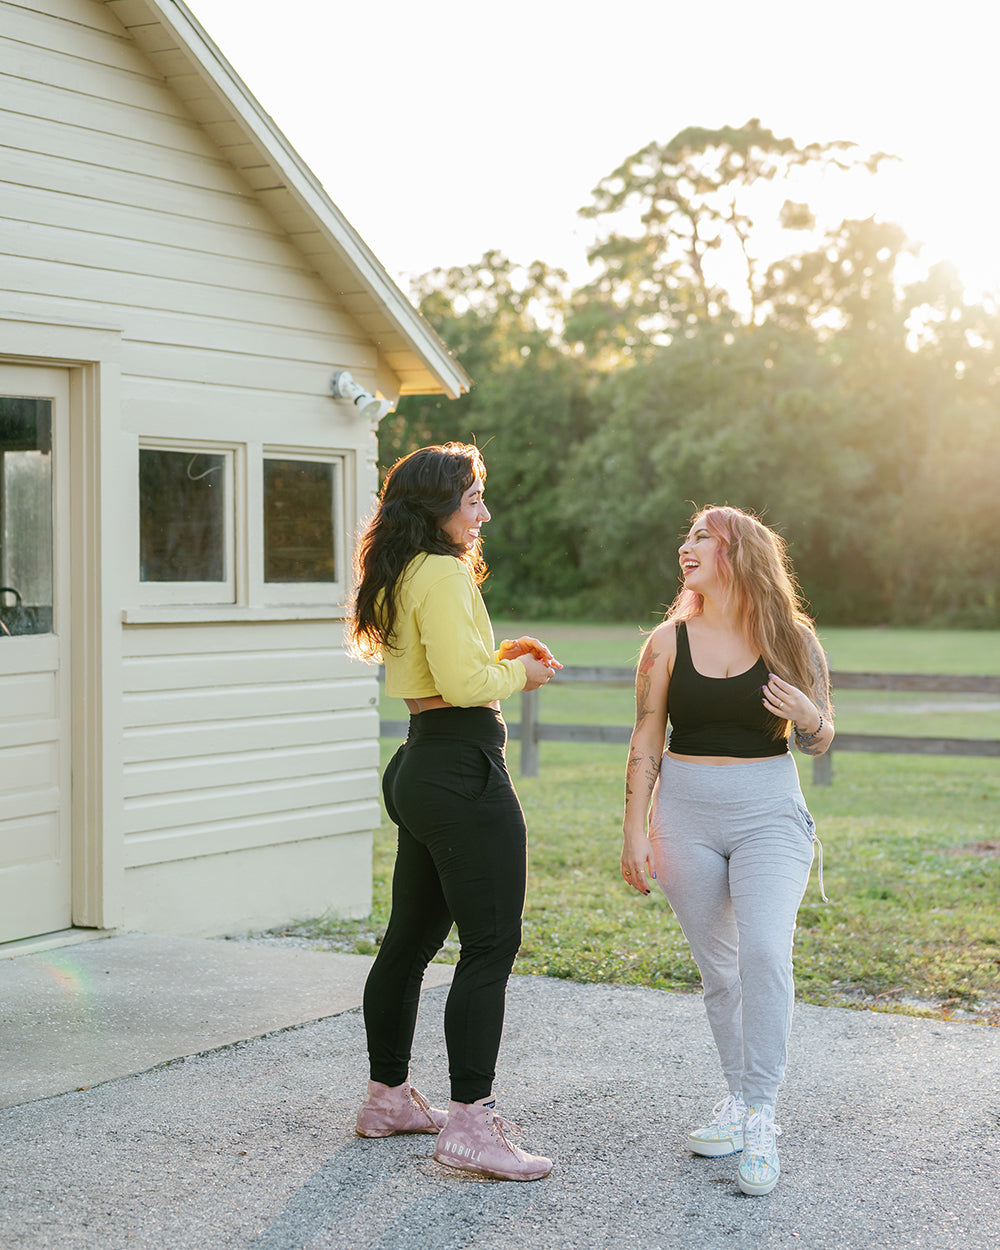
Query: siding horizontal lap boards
[[246, 767], [222, 837], [317, 419], [138, 194], [222, 667], [130, 294], [176, 707], [58, 26], [57, 204], [143, 191], [196, 108], [169, 742], [145, 260], [221, 368], [28, 54], [160, 128], [167, 206], [96, 16], [70, 139], [227, 748], [187, 809]]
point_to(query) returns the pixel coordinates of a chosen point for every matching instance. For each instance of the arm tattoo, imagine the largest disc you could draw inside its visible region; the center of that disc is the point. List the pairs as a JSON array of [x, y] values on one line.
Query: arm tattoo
[[643, 681], [821, 681], [647, 775], [821, 695], [642, 770]]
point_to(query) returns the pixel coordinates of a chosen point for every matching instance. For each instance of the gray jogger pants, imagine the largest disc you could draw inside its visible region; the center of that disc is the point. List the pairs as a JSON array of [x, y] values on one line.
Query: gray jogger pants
[[732, 850]]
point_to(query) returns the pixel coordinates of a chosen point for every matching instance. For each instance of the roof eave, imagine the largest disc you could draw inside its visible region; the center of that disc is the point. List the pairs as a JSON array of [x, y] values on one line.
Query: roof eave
[[433, 368]]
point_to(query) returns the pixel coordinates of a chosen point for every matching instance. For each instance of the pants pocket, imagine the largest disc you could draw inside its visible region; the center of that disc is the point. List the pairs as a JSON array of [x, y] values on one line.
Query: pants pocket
[[474, 771], [804, 818]]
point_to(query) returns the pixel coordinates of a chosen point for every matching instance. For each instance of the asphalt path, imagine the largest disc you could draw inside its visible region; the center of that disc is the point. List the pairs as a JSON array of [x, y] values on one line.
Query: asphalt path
[[891, 1124]]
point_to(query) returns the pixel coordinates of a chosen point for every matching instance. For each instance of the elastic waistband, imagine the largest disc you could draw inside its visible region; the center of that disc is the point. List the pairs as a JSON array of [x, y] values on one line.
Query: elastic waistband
[[737, 785], [462, 724]]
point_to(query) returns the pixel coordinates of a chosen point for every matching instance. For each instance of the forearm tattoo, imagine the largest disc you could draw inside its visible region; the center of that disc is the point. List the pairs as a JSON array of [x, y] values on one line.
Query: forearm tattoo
[[811, 744], [642, 770]]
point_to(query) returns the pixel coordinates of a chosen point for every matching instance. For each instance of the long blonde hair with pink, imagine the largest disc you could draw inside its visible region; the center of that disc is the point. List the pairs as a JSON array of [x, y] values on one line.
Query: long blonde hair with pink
[[753, 566]]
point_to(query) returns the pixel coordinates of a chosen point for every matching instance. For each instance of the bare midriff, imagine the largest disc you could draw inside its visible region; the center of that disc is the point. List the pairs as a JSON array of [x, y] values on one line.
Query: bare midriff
[[431, 702], [720, 759]]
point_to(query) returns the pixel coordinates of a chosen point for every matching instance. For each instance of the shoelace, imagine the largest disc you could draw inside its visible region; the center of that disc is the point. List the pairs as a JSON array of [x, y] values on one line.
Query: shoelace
[[755, 1132], [728, 1109], [420, 1100], [499, 1124]]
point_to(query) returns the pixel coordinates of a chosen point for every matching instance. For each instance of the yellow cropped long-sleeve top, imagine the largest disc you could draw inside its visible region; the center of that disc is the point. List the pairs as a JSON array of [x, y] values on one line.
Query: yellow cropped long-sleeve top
[[443, 640]]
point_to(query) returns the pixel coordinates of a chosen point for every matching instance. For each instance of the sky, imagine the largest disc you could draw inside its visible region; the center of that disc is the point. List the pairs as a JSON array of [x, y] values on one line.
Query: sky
[[448, 128]]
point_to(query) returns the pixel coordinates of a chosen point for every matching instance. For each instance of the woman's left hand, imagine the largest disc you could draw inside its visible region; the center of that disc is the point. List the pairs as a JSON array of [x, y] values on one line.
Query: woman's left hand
[[511, 649], [787, 702], [637, 862]]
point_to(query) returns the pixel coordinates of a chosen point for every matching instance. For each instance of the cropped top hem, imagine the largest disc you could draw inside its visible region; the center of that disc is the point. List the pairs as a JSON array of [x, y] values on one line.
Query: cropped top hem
[[730, 752], [719, 716], [443, 640]]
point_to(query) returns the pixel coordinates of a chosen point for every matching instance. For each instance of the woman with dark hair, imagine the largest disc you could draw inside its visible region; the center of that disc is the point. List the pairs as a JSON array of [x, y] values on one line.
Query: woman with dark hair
[[736, 668], [461, 854]]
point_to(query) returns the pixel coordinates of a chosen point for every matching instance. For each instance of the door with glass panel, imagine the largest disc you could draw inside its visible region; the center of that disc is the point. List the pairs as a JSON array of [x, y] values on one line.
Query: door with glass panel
[[35, 864]]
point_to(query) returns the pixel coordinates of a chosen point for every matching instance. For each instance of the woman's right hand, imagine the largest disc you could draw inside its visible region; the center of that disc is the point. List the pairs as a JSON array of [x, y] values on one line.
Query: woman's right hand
[[514, 649], [538, 673]]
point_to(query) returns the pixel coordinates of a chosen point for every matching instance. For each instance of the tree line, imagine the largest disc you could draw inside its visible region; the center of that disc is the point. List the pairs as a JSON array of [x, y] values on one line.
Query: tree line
[[730, 346]]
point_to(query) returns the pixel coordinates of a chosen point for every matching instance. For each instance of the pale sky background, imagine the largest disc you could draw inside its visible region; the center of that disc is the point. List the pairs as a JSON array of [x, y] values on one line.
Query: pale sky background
[[447, 128]]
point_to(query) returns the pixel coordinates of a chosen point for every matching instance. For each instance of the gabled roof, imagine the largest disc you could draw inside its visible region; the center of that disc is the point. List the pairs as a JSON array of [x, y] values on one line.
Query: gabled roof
[[198, 73]]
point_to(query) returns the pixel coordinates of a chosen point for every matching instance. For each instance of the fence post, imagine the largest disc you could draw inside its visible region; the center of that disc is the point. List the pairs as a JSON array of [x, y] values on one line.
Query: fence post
[[529, 733], [823, 768]]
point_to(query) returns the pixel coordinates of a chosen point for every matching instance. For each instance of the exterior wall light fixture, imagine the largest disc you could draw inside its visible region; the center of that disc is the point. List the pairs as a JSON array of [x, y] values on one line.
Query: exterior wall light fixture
[[368, 407]]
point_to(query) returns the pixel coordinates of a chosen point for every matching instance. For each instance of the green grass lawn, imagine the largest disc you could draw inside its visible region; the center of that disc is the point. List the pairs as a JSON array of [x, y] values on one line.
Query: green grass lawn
[[911, 843]]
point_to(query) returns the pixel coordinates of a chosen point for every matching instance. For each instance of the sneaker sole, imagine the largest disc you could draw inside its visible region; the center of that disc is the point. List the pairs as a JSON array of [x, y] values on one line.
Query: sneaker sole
[[396, 1132], [756, 1189], [716, 1149], [473, 1170]]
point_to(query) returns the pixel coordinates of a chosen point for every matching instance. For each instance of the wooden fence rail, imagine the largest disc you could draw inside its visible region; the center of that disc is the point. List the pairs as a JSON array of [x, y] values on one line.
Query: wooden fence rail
[[531, 730]]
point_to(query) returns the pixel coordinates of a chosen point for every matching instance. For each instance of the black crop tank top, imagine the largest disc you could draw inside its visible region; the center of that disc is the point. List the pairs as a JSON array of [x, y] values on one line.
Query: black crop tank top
[[719, 715]]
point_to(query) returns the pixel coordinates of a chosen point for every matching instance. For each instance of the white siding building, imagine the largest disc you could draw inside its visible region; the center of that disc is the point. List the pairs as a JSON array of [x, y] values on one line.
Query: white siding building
[[185, 747]]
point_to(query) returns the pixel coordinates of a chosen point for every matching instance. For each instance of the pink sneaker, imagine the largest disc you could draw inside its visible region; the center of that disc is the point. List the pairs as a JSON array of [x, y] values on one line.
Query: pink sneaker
[[474, 1141], [390, 1109]]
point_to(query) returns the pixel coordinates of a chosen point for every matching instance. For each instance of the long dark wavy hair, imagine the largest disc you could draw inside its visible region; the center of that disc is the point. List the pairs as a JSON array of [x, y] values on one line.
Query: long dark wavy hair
[[420, 491]]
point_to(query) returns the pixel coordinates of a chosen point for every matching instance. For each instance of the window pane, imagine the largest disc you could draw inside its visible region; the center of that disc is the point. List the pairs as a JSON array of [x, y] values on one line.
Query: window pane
[[25, 516], [181, 516], [298, 521]]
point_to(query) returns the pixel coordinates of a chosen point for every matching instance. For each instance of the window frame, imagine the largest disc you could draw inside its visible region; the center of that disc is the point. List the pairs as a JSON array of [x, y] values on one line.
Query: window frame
[[332, 594], [249, 596], [222, 593]]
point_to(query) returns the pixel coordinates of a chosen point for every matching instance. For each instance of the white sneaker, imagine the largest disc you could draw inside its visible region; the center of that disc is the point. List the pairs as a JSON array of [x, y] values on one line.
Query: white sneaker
[[724, 1136], [759, 1170]]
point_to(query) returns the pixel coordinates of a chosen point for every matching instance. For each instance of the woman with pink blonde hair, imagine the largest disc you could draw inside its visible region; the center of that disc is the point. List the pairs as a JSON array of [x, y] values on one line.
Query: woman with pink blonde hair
[[715, 813]]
